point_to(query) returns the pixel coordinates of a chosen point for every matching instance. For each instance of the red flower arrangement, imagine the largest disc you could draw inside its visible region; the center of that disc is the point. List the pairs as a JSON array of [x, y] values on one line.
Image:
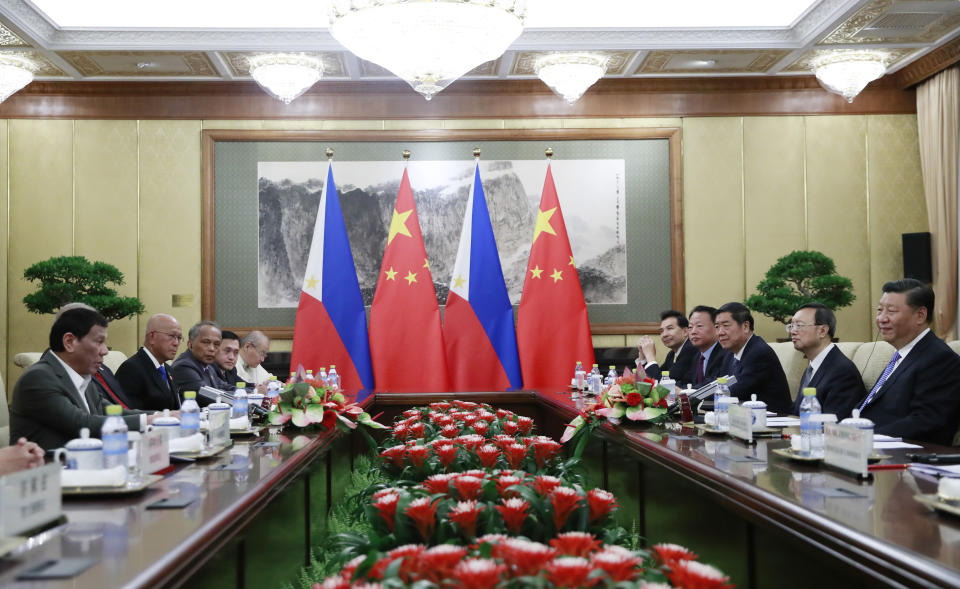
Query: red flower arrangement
[[565, 501], [514, 513], [464, 514], [387, 507], [691, 574], [601, 502], [468, 487], [479, 573], [423, 512], [525, 558], [569, 571], [575, 543]]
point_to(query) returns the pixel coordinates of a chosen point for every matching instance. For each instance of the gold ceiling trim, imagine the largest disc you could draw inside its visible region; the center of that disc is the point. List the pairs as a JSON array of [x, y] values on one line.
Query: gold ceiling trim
[[524, 61], [43, 67], [848, 33], [197, 63], [656, 62], [333, 65], [803, 63]]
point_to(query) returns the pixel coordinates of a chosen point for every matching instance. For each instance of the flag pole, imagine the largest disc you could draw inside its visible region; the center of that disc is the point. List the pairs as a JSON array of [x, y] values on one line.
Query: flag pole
[[476, 153]]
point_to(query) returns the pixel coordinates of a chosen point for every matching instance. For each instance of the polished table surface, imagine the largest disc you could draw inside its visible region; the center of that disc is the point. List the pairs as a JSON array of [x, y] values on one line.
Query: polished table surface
[[880, 526]]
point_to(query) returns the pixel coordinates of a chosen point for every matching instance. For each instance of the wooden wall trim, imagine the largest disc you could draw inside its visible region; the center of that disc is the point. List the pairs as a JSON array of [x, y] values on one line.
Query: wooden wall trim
[[673, 134], [494, 99], [929, 65]]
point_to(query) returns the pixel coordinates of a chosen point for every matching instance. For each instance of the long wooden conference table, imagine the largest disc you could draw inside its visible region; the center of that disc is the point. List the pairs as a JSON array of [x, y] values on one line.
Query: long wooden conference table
[[259, 509]]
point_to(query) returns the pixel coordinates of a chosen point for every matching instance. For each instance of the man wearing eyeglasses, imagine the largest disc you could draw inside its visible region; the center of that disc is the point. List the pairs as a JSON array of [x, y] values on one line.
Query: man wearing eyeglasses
[[146, 377], [835, 377], [254, 348]]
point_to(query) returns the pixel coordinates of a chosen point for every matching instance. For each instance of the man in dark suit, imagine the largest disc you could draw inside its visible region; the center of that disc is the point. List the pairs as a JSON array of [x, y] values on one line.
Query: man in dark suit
[[709, 358], [918, 395], [146, 377], [193, 369], [751, 360], [55, 398], [227, 355], [673, 333], [837, 380]]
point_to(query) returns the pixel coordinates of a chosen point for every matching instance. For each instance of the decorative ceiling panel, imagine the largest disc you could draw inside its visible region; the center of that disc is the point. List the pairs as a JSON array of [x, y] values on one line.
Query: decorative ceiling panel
[[802, 64], [711, 61], [897, 21], [43, 67], [333, 65], [9, 39], [523, 63], [141, 63]]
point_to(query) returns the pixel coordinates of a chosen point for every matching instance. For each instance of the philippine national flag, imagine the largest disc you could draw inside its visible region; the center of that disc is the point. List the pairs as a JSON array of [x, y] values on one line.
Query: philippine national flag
[[478, 321], [553, 329], [406, 340], [331, 323]]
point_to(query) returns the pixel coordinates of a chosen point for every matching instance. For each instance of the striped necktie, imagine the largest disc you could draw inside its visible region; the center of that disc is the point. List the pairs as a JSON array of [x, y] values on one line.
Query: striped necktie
[[881, 380]]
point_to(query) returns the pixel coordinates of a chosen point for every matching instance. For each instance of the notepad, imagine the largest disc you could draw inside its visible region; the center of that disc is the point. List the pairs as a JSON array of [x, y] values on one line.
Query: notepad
[[892, 445], [782, 421]]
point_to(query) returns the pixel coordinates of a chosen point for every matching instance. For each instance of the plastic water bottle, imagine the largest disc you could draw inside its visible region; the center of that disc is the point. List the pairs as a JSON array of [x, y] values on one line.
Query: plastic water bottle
[[721, 400], [810, 429], [189, 415], [114, 436], [669, 384], [579, 376], [333, 379], [324, 377], [596, 379], [240, 404], [273, 388], [611, 376], [292, 376], [309, 375], [218, 423]]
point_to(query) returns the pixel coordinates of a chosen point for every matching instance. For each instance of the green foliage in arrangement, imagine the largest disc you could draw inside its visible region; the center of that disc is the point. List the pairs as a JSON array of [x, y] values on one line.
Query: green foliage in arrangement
[[75, 279], [797, 278], [346, 517]]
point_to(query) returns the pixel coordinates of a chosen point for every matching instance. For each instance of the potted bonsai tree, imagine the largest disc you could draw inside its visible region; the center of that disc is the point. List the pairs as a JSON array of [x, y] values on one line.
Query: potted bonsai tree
[[74, 279], [797, 278]]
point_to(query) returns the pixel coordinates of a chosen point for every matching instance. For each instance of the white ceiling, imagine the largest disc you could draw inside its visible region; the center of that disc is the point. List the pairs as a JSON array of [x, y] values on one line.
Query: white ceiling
[[211, 39]]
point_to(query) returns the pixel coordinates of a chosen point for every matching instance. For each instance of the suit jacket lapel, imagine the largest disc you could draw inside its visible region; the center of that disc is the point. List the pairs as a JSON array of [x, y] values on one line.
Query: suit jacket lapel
[[61, 373], [824, 367], [905, 364]]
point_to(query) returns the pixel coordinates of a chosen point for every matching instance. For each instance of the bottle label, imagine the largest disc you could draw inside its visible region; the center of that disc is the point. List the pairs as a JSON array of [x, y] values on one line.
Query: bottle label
[[189, 421], [115, 443]]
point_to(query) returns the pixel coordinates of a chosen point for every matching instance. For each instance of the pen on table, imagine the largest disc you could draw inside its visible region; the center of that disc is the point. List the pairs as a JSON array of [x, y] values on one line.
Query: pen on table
[[888, 466]]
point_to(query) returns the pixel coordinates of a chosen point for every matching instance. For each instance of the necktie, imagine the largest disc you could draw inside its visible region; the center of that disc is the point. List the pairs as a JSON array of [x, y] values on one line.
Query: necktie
[[736, 367], [805, 380], [700, 368], [883, 379], [106, 388], [163, 372]]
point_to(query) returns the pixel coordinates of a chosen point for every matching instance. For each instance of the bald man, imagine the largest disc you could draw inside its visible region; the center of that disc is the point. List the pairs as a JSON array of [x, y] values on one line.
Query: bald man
[[146, 377]]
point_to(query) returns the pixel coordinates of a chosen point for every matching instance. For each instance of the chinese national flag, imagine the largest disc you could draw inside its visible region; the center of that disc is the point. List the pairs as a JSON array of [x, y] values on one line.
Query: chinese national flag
[[406, 341], [553, 330]]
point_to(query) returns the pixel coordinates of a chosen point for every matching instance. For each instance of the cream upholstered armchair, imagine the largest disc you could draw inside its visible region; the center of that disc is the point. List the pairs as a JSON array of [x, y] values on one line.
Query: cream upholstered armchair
[[4, 416], [112, 361]]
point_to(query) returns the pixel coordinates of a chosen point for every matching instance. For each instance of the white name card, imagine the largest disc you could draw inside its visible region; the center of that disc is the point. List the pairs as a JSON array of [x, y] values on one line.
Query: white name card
[[154, 452], [847, 447], [741, 423], [29, 499]]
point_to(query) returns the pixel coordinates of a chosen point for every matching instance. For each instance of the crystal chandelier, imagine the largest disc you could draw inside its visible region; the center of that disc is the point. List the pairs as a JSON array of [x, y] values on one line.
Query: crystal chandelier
[[16, 72], [427, 43], [285, 75], [570, 74], [847, 72]]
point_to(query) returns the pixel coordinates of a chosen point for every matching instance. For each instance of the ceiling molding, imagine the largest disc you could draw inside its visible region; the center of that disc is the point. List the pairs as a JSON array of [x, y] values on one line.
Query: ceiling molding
[[474, 99], [929, 65]]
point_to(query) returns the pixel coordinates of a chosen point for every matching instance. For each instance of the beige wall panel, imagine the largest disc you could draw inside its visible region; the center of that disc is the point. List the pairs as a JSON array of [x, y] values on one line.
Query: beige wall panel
[[170, 218], [773, 200], [712, 211], [41, 221], [897, 203], [4, 202], [105, 184], [837, 210]]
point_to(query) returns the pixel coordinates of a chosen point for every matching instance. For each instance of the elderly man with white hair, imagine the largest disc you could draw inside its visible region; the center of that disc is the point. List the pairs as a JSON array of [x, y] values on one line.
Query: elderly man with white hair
[[253, 350]]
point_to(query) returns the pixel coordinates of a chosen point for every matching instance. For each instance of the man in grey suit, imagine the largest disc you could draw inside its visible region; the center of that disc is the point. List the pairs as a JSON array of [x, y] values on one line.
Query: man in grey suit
[[194, 368], [55, 398]]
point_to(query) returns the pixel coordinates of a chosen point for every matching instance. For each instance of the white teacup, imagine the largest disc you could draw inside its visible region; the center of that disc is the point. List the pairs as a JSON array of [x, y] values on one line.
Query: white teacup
[[83, 453]]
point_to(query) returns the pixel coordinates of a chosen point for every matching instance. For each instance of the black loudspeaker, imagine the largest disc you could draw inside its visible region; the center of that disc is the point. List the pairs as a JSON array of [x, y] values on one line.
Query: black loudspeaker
[[916, 257]]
